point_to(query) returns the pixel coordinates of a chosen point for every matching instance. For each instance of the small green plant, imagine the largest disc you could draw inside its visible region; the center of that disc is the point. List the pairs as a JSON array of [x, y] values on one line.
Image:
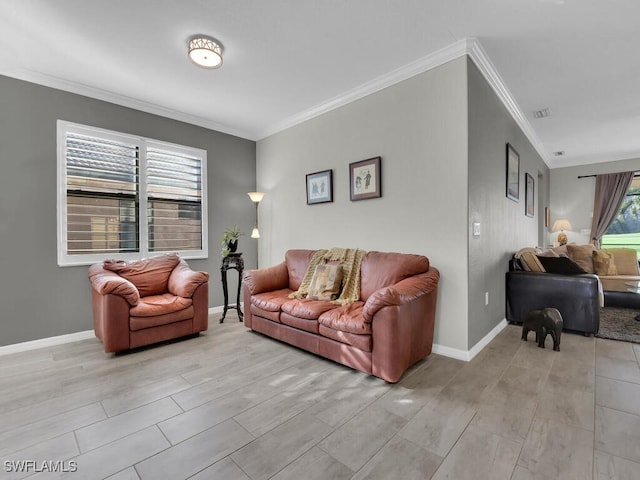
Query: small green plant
[[229, 240]]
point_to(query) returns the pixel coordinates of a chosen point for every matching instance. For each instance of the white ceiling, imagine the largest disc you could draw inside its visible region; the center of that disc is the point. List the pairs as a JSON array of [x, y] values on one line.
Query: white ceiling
[[287, 60]]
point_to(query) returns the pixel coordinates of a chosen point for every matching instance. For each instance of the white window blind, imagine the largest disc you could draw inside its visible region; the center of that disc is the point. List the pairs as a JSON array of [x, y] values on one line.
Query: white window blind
[[126, 197]]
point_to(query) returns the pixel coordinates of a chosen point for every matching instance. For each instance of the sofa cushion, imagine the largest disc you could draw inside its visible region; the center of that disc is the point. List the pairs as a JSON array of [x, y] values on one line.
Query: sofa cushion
[[381, 269], [149, 275], [139, 323], [347, 318], [159, 305], [582, 255], [561, 265], [529, 261], [273, 316], [625, 259], [306, 324], [326, 282], [307, 307], [271, 301], [363, 342], [603, 264]]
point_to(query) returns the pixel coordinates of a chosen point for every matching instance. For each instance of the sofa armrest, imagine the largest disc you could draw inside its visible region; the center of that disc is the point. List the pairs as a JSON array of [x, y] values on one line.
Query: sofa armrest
[[106, 282], [575, 296], [403, 292], [266, 279], [183, 281]]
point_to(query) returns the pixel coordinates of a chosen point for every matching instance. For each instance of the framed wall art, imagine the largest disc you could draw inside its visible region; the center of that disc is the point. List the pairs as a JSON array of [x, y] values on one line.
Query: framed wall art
[[320, 187], [365, 179], [513, 174], [529, 194]]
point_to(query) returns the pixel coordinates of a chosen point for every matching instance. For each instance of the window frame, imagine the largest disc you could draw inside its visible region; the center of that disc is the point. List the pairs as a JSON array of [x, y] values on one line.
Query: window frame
[[64, 258]]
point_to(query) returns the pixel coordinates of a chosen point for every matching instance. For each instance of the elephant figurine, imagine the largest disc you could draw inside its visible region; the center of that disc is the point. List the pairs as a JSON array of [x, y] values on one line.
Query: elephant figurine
[[547, 321]]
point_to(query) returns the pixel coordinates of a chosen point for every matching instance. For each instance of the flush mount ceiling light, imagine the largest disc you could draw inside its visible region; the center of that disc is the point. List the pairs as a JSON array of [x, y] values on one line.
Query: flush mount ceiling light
[[205, 52]]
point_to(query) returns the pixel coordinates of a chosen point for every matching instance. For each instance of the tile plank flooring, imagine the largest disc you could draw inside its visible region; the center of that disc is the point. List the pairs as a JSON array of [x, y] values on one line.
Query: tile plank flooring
[[233, 404]]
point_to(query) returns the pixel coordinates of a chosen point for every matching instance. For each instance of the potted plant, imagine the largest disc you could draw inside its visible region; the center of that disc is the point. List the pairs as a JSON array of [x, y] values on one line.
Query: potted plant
[[229, 240]]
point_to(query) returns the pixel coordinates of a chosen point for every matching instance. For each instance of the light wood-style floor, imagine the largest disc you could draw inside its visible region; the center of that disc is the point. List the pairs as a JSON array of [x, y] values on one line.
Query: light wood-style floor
[[233, 404]]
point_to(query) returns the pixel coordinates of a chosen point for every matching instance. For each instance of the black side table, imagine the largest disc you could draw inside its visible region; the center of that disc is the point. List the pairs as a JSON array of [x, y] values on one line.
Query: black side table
[[233, 261]]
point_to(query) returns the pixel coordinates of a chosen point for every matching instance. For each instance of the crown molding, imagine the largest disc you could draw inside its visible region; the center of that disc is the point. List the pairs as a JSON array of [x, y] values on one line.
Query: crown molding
[[489, 72], [412, 69], [467, 46], [122, 100]]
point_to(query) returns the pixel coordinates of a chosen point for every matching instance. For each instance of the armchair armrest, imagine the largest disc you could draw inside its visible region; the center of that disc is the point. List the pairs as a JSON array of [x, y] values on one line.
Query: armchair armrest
[[106, 282], [266, 279], [405, 291], [183, 281]]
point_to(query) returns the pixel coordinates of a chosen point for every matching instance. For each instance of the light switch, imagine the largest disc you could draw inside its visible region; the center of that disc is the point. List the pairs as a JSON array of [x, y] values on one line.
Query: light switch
[[476, 229]]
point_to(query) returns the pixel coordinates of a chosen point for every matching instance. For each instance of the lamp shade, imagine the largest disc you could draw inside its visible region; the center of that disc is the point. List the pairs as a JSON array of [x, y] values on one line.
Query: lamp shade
[[255, 233], [256, 196], [561, 224]]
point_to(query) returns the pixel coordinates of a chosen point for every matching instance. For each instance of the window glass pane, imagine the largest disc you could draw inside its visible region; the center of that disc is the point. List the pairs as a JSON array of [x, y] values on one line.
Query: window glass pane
[[174, 226], [100, 225], [624, 231]]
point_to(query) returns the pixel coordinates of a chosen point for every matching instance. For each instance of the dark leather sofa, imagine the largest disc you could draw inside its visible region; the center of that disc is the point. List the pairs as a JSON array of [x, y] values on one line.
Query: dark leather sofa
[[575, 296]]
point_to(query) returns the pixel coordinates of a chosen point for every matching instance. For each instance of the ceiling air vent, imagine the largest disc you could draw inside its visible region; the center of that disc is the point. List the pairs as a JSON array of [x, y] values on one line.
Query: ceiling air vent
[[545, 112]]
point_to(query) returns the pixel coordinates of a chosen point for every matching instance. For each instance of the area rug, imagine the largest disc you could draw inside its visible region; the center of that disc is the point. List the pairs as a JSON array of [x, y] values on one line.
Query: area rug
[[619, 324]]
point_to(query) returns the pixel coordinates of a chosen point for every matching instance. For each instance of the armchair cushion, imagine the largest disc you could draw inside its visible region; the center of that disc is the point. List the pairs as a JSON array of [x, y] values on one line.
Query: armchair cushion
[[149, 275], [109, 283], [159, 305]]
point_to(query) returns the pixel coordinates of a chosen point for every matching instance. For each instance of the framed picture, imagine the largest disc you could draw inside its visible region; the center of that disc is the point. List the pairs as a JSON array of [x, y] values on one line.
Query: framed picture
[[365, 179], [530, 207], [547, 217], [320, 187], [513, 174]]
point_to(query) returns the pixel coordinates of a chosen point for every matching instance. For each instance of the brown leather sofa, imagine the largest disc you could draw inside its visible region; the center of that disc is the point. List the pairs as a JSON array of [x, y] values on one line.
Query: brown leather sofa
[[389, 329], [146, 301]]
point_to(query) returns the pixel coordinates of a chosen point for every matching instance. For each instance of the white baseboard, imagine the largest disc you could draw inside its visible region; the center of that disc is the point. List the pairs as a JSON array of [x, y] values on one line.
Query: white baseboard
[[468, 355], [46, 342], [60, 339]]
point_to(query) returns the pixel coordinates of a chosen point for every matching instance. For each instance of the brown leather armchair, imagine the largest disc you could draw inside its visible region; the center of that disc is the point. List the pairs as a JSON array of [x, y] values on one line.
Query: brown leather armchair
[[141, 302]]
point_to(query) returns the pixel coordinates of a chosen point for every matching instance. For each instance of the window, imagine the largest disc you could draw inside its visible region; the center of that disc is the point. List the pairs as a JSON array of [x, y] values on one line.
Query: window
[[126, 197], [624, 231]]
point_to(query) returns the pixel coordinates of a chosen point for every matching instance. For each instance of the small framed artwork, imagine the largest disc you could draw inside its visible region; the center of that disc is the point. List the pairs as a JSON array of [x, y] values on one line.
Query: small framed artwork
[[513, 174], [365, 179], [547, 217], [529, 196], [320, 187]]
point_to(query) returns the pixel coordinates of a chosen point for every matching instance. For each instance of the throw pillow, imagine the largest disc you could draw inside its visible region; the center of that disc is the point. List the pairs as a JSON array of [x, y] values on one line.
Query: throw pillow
[[530, 262], [326, 282], [561, 265], [603, 263], [626, 260], [582, 255], [548, 253]]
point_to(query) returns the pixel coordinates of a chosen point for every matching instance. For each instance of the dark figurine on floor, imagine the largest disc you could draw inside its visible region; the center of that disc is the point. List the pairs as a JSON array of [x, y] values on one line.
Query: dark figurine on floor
[[547, 321]]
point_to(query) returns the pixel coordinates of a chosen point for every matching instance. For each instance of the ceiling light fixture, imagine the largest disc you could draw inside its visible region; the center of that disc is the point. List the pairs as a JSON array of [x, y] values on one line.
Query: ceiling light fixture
[[206, 52]]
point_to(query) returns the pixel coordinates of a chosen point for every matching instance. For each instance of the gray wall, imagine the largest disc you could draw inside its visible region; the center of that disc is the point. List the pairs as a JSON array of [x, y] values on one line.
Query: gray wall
[[419, 128], [572, 198], [39, 299], [504, 226]]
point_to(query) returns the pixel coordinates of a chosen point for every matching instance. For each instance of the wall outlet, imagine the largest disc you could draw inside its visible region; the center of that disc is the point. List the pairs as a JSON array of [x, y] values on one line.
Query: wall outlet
[[486, 298]]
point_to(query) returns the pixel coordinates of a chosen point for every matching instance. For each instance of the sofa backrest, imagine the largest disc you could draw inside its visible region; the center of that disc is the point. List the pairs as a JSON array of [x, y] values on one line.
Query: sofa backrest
[[382, 269], [149, 275], [378, 269], [297, 263]]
